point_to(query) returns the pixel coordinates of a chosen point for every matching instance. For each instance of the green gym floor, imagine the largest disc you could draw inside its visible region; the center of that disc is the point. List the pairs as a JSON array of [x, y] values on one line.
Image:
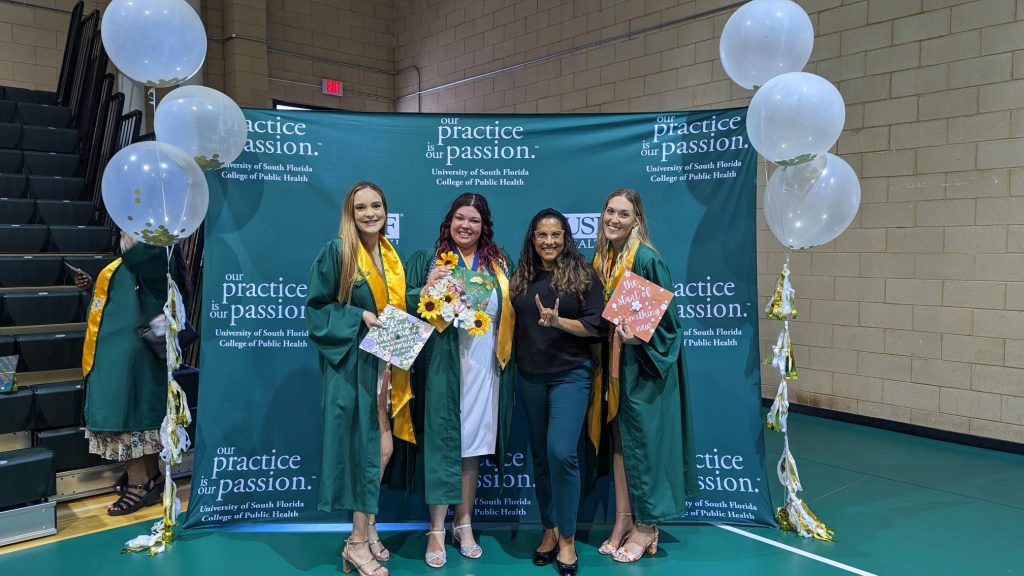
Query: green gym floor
[[898, 504]]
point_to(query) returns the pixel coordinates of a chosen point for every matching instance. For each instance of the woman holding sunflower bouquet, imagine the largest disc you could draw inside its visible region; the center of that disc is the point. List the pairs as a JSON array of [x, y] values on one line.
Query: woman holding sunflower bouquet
[[464, 376]]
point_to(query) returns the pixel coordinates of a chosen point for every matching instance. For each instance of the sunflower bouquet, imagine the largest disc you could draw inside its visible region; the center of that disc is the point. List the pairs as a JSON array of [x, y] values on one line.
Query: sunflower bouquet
[[460, 299]]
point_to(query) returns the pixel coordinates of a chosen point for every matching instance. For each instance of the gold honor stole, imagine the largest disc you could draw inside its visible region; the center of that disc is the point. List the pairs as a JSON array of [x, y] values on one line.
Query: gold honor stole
[[389, 288], [611, 276], [506, 322], [99, 303]]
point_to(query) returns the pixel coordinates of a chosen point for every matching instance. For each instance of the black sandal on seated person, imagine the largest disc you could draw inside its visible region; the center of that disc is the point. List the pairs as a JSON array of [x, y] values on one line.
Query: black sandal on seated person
[[129, 501]]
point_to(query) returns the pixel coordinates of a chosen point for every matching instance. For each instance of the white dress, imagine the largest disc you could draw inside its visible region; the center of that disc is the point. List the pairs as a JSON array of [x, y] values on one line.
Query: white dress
[[479, 396]]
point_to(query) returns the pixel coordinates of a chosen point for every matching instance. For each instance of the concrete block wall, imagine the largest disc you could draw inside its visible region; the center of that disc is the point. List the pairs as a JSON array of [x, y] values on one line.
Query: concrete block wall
[[356, 32], [246, 50], [914, 314], [32, 42]]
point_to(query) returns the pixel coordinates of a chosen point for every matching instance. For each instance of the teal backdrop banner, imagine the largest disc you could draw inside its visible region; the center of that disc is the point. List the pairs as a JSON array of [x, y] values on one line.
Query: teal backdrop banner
[[259, 431]]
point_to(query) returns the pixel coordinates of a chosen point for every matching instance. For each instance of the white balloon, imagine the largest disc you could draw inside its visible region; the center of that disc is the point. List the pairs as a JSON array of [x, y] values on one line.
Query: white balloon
[[202, 122], [794, 117], [160, 43], [810, 204], [763, 39], [155, 192]]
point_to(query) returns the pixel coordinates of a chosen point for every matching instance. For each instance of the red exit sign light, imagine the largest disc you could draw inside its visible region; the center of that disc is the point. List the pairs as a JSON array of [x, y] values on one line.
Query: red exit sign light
[[331, 87]]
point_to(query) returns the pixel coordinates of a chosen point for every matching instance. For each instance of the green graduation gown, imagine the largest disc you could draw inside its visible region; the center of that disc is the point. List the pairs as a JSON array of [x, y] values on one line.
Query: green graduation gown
[[126, 389], [654, 420], [436, 379], [350, 470]]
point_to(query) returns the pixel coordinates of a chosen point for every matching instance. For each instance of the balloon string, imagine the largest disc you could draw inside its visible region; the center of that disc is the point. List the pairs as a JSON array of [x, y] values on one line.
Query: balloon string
[[159, 160]]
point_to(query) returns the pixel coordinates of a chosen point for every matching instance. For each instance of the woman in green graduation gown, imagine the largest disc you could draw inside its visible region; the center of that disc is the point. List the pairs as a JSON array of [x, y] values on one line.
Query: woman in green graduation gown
[[125, 383], [463, 382], [643, 406], [353, 278]]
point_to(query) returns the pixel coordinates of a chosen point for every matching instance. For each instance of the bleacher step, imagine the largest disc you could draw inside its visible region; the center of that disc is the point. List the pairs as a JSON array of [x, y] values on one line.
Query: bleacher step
[[42, 307], [41, 328]]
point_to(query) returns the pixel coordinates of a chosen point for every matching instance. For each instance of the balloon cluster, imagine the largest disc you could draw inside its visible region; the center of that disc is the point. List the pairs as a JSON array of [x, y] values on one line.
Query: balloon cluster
[[156, 191], [793, 120]]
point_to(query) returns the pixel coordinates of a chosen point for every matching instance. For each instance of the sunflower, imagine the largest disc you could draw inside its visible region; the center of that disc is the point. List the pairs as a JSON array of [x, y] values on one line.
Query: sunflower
[[448, 260], [480, 324], [428, 308], [449, 297]]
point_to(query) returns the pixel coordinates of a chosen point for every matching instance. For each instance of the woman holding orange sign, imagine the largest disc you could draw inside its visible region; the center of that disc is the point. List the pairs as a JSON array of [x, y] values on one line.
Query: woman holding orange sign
[[638, 405]]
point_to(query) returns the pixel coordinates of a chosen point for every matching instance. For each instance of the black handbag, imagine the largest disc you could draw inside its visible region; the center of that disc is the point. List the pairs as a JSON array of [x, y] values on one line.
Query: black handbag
[[158, 344]]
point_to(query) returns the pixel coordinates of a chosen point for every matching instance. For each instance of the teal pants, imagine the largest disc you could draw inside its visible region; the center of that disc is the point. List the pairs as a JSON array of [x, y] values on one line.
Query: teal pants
[[555, 406]]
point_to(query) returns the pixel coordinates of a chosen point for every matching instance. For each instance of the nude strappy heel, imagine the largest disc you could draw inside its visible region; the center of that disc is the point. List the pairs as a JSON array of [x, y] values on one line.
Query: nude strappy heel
[[384, 555], [347, 563], [607, 549], [651, 547]]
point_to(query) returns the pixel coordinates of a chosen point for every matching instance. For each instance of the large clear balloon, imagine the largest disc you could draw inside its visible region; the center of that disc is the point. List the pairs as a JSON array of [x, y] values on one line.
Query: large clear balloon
[[155, 192], [794, 117], [204, 123], [157, 42], [763, 39], [812, 203]]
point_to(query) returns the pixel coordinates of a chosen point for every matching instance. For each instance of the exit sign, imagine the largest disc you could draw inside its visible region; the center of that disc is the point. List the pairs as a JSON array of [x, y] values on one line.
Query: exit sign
[[331, 87]]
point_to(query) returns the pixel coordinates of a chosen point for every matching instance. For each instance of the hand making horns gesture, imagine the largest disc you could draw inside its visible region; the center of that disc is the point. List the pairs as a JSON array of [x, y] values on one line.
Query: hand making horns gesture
[[548, 316]]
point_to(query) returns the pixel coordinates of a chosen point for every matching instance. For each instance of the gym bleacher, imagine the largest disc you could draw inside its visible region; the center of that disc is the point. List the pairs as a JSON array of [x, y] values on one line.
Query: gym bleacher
[[53, 147]]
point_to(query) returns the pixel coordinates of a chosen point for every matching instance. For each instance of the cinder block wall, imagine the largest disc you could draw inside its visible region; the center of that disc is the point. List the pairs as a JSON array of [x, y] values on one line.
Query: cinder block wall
[[32, 42], [359, 33], [915, 314]]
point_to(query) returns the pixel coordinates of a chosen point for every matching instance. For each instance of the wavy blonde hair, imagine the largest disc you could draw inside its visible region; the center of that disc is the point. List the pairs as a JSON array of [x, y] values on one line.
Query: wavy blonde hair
[[638, 235], [349, 235]]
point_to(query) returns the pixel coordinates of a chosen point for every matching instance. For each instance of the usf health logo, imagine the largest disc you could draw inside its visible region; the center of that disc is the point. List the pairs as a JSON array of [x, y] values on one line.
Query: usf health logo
[[584, 228], [393, 227], [470, 139], [279, 136], [673, 136]]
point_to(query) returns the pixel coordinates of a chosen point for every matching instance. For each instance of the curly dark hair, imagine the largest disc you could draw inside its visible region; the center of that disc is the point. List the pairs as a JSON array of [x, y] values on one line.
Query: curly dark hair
[[572, 273], [486, 248]]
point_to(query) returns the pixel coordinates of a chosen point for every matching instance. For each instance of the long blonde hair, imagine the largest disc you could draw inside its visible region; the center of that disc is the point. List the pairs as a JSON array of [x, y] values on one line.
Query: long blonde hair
[[638, 235], [349, 234]]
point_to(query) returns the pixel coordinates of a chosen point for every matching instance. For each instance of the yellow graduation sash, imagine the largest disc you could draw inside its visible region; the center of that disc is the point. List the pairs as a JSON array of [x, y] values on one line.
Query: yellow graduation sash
[[611, 276], [507, 321], [389, 288], [99, 303]]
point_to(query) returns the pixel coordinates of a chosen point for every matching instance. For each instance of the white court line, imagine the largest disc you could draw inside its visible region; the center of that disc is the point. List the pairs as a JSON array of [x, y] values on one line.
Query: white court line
[[821, 559]]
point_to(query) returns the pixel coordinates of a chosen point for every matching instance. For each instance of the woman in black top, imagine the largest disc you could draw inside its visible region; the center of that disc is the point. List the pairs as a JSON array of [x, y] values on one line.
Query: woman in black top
[[557, 298]]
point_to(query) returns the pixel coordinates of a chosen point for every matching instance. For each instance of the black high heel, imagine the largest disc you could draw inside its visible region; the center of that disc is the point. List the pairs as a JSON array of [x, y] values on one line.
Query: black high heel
[[567, 569], [545, 558]]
